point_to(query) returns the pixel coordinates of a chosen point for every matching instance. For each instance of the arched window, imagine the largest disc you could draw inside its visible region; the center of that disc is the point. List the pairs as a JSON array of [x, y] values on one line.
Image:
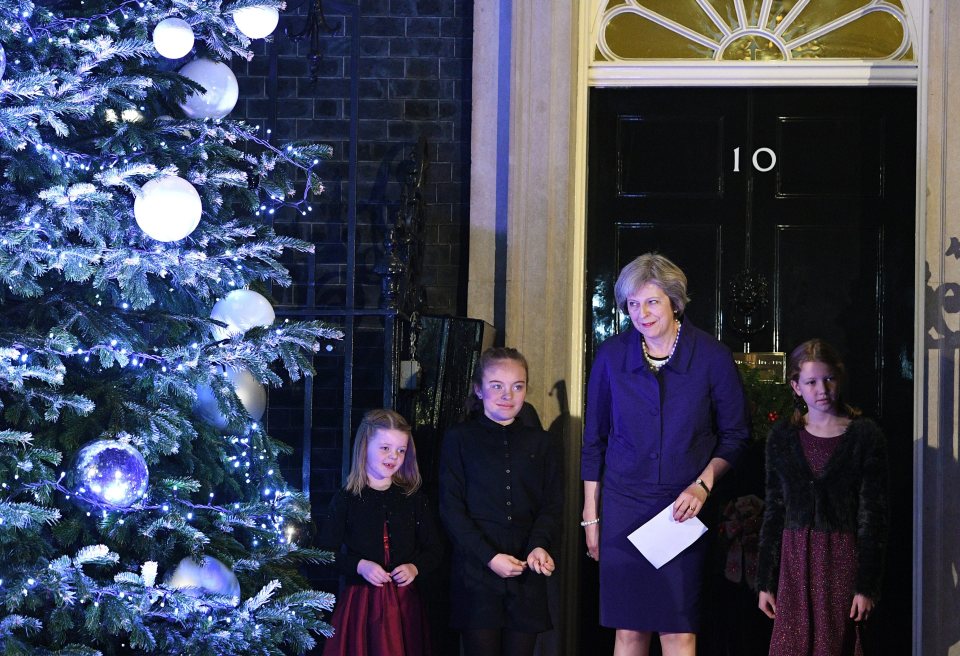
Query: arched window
[[752, 30]]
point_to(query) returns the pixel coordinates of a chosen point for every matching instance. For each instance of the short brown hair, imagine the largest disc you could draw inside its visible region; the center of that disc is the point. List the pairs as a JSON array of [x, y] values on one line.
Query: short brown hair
[[655, 268]]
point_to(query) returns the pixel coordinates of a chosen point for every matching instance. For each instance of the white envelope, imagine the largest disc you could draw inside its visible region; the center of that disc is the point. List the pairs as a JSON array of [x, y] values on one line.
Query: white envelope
[[663, 537]]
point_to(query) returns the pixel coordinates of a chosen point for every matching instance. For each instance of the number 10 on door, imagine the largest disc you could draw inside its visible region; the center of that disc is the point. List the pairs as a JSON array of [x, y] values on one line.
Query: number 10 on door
[[768, 154]]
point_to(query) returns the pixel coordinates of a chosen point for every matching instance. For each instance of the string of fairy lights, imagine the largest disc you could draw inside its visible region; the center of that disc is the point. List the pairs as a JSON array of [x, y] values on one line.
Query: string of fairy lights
[[238, 312]]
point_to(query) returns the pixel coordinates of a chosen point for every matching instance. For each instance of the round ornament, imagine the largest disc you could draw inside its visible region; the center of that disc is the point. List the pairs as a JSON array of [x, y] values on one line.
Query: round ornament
[[208, 409], [168, 209], [252, 394], [173, 38], [114, 472], [221, 87], [209, 576], [256, 22], [241, 310], [3, 61]]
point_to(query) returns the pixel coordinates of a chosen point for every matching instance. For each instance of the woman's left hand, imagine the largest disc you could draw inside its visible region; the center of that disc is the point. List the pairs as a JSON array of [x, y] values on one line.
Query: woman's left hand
[[861, 608], [404, 574], [689, 503]]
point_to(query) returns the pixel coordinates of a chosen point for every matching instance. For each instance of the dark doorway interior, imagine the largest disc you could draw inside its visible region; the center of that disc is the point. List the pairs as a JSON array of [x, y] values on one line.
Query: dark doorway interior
[[809, 190]]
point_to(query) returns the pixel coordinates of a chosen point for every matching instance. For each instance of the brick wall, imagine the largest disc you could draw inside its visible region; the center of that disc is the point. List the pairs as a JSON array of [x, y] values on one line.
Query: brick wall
[[414, 79]]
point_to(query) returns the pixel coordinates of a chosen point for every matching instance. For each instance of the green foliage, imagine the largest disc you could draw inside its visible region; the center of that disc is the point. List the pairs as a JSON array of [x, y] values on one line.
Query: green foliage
[[106, 335], [769, 400]]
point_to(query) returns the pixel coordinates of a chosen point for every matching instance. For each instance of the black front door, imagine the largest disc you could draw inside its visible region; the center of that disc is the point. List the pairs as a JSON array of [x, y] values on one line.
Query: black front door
[[804, 196]]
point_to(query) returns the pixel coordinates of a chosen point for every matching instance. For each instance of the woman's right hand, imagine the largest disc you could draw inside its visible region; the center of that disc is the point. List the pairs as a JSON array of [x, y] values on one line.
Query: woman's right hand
[[373, 573], [593, 541], [591, 513], [506, 566], [768, 604]]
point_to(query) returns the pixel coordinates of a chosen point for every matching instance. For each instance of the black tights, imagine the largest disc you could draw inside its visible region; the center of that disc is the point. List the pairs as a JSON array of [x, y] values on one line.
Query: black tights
[[498, 642]]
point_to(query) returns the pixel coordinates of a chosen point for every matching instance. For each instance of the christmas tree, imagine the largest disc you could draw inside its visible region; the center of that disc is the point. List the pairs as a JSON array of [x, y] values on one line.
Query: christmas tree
[[142, 508]]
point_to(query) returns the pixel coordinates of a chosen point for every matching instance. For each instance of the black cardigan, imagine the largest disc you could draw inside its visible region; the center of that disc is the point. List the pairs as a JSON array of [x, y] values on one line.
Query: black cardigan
[[849, 496], [353, 530]]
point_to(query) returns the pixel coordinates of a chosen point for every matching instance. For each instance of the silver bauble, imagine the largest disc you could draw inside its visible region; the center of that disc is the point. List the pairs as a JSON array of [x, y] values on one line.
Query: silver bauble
[[209, 576], [113, 472]]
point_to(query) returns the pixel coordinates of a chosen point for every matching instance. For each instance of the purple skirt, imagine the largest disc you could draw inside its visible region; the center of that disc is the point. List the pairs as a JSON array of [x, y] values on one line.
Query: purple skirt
[[814, 595], [633, 594]]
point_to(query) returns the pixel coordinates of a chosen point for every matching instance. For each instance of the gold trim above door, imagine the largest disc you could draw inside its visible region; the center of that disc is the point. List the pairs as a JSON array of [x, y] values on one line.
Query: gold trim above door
[[752, 42]]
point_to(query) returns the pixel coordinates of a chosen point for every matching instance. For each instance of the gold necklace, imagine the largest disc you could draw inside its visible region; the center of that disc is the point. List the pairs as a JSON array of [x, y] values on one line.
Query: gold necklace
[[656, 363]]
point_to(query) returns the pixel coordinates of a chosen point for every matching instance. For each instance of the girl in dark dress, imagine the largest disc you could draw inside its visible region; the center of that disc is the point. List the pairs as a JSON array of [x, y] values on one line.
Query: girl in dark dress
[[500, 499], [384, 535], [825, 522]]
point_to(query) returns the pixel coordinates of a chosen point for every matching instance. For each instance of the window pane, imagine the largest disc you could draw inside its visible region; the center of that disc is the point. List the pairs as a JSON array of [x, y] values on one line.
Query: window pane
[[715, 29], [874, 36], [634, 37]]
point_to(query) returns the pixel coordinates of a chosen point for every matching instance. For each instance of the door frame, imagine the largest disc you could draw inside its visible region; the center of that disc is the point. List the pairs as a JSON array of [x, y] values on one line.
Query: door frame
[[530, 79], [720, 74]]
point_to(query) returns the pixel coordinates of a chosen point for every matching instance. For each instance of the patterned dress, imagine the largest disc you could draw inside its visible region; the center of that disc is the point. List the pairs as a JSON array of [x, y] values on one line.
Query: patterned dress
[[817, 575]]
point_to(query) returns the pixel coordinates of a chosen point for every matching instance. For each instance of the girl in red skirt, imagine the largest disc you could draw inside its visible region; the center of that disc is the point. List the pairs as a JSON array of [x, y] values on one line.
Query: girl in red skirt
[[384, 535]]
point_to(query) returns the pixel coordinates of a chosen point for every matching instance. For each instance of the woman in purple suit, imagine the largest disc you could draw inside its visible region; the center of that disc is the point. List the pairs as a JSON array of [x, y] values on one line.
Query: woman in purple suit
[[666, 417]]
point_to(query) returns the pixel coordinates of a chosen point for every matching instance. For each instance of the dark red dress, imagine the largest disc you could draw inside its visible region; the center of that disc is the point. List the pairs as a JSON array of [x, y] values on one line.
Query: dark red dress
[[391, 529], [817, 580]]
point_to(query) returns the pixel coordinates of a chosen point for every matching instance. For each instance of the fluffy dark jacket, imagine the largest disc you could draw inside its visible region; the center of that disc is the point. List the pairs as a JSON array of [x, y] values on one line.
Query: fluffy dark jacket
[[849, 496]]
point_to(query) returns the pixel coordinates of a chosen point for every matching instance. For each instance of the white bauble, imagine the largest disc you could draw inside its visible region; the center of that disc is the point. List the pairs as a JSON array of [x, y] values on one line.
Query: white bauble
[[221, 87], [3, 61], [241, 310], [209, 576], [208, 409], [257, 22], [168, 209], [173, 38], [252, 394]]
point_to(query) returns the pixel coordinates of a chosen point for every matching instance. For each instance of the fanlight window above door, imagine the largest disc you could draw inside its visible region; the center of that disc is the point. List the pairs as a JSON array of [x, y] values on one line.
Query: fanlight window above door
[[752, 30]]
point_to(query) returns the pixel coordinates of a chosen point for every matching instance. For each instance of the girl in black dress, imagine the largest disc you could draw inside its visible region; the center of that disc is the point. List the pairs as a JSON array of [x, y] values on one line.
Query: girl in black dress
[[500, 499], [384, 534]]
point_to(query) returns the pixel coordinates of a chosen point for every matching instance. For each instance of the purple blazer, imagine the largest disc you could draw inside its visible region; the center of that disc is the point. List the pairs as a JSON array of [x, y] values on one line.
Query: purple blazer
[[643, 430]]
